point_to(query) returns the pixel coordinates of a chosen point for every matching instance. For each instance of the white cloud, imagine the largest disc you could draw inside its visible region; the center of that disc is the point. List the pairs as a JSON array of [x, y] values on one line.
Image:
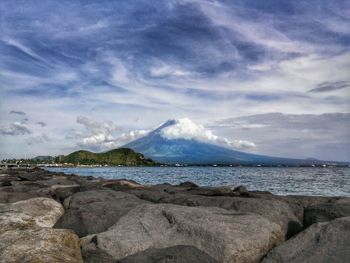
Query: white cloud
[[187, 129], [119, 73], [15, 128], [132, 135], [97, 127], [93, 27], [123, 74], [261, 32], [107, 141], [165, 70], [324, 136], [38, 139], [101, 135], [15, 43]]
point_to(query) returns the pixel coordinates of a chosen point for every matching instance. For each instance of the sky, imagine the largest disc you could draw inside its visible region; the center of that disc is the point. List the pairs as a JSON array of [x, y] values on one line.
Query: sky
[[268, 77]]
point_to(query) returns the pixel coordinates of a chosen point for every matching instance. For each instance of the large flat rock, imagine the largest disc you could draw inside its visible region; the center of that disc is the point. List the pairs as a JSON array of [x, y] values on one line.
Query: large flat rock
[[226, 236], [320, 243], [31, 213], [95, 211], [288, 216]]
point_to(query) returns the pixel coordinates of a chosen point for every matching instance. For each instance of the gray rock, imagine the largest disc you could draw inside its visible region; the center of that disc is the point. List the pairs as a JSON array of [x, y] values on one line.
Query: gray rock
[[24, 186], [273, 209], [150, 195], [30, 177], [6, 182], [11, 197], [326, 212], [240, 189], [44, 245], [28, 214], [118, 184], [94, 211], [306, 201], [188, 185], [227, 236], [93, 255], [61, 192], [299, 203], [63, 181], [176, 254], [212, 191], [320, 243]]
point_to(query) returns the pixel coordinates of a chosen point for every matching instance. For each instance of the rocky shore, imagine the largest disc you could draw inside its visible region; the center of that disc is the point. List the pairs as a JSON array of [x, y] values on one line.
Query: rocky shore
[[53, 217]]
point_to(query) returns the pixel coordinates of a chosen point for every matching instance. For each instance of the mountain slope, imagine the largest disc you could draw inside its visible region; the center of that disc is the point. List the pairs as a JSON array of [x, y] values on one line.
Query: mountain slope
[[121, 156], [191, 151]]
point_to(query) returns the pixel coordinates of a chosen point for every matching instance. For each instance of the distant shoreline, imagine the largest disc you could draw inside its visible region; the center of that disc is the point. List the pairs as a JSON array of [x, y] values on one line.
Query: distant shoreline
[[4, 165]]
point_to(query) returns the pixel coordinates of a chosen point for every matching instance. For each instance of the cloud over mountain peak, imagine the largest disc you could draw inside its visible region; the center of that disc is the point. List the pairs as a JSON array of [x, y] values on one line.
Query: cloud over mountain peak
[[185, 128]]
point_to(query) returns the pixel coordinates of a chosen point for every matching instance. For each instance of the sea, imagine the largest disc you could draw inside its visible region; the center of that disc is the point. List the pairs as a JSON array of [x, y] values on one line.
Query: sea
[[318, 181]]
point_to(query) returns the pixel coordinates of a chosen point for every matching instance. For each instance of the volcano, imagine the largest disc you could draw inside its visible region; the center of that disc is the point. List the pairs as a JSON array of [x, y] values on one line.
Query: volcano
[[196, 152]]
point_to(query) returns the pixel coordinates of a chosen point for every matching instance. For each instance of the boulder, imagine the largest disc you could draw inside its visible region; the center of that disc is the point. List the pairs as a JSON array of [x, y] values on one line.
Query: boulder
[[240, 189], [226, 236], [150, 195], [44, 245], [11, 197], [192, 189], [93, 255], [326, 212], [31, 213], [24, 186], [176, 254], [306, 201], [212, 191], [320, 243], [6, 182], [275, 210], [65, 181], [299, 203], [61, 192], [188, 185], [120, 184], [94, 211], [30, 177]]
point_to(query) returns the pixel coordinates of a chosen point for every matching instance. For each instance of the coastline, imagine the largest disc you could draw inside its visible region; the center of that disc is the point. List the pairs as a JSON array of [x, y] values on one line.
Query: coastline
[[279, 181], [123, 221]]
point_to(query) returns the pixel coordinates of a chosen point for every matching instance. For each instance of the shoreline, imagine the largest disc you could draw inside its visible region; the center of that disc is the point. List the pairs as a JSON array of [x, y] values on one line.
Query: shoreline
[[279, 181], [31, 166], [123, 221]]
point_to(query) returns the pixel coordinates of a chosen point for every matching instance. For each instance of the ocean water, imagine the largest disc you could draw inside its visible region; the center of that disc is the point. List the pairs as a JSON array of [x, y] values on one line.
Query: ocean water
[[282, 181]]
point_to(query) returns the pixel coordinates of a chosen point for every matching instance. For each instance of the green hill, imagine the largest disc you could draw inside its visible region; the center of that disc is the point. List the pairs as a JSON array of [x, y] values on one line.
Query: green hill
[[121, 156]]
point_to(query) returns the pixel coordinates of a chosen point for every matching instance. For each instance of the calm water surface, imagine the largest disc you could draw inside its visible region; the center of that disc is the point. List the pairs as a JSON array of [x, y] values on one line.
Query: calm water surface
[[283, 181]]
